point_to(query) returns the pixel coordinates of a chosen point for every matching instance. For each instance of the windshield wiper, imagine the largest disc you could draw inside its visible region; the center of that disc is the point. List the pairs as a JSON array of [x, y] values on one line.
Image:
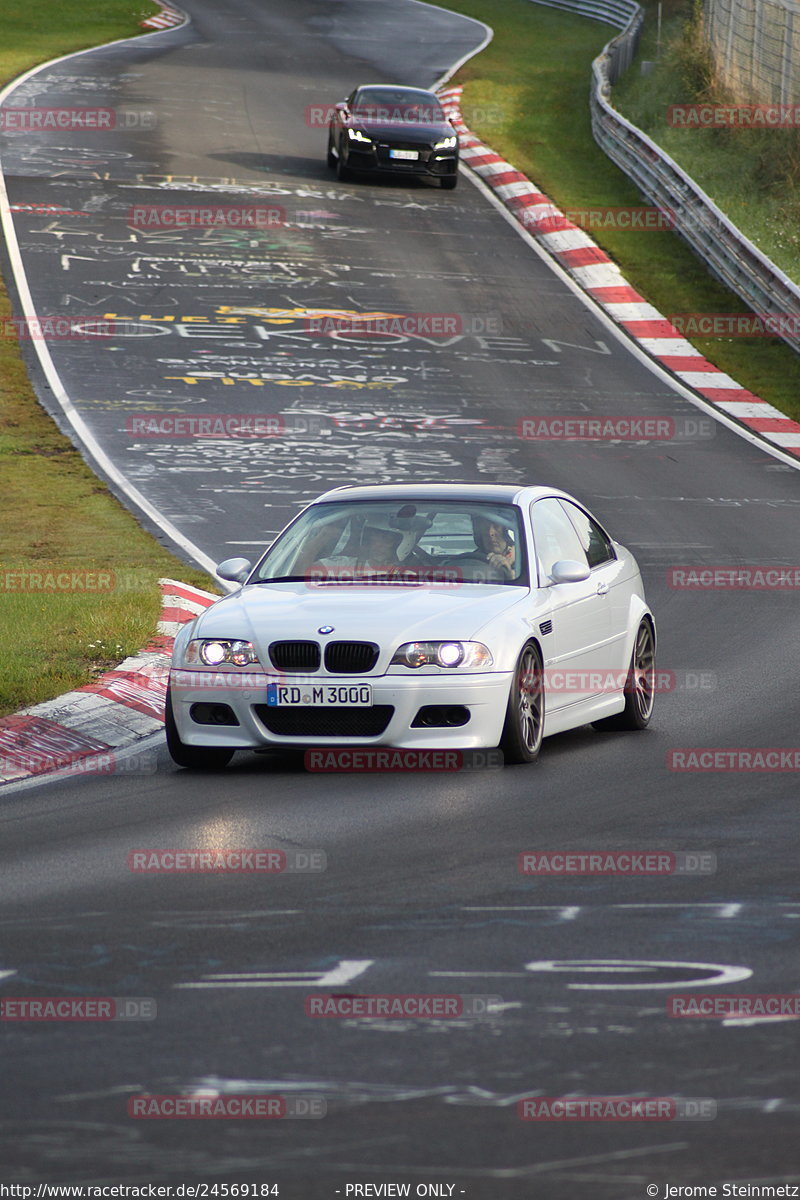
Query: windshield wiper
[[282, 579]]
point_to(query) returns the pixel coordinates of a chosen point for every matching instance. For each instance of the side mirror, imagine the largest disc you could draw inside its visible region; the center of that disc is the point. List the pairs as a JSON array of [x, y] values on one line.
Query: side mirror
[[235, 569], [568, 570]]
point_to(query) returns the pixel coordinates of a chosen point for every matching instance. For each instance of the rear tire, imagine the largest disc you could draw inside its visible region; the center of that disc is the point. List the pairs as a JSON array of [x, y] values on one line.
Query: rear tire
[[639, 686], [524, 726], [198, 758]]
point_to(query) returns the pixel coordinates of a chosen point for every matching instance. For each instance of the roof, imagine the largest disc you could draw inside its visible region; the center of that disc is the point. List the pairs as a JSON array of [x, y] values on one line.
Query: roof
[[496, 493]]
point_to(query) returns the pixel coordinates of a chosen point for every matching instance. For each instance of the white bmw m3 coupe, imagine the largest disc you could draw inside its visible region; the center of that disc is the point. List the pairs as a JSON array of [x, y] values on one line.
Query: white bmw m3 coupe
[[418, 616]]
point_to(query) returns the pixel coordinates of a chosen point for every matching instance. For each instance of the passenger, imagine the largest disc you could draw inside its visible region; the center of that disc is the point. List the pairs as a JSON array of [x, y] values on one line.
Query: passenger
[[495, 546]]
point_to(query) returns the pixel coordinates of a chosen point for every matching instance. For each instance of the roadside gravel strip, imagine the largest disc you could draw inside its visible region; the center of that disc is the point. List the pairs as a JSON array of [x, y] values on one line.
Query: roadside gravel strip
[[601, 278], [81, 732]]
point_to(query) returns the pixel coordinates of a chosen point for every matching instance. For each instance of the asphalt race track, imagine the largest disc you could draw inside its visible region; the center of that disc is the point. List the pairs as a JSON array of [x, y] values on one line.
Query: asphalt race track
[[421, 891]]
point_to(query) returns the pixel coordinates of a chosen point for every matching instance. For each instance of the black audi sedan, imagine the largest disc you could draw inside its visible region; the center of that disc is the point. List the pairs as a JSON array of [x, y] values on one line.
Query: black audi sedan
[[402, 130]]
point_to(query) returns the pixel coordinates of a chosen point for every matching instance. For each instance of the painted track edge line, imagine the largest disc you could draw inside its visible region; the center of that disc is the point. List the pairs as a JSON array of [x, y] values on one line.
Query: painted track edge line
[[448, 74], [91, 449]]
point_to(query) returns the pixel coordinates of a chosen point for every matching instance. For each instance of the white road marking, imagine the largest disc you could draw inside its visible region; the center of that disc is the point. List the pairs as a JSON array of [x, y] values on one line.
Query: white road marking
[[346, 970], [724, 909], [758, 1020], [724, 973]]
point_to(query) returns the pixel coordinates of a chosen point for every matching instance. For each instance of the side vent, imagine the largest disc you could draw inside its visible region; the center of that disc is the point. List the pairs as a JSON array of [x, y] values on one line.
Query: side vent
[[546, 627]]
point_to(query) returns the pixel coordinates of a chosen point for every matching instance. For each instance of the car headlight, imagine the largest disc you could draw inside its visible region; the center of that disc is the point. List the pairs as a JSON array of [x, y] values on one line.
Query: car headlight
[[356, 135], [213, 652], [442, 654], [447, 143]]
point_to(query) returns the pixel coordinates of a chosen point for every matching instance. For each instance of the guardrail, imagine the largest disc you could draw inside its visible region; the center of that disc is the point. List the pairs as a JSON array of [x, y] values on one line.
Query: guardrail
[[724, 249]]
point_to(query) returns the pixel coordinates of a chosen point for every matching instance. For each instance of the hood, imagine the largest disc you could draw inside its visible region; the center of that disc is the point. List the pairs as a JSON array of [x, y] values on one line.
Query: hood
[[388, 615]]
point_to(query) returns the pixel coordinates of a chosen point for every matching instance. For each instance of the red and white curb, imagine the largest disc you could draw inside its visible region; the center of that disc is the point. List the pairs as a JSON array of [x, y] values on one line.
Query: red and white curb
[[82, 730], [168, 18], [602, 279]]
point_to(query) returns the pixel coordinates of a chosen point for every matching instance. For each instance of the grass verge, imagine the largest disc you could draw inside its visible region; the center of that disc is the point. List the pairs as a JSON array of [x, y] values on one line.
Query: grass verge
[[753, 175], [54, 512], [527, 95]]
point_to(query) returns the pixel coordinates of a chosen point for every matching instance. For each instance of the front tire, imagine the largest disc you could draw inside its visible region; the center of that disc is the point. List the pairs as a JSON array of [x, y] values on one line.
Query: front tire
[[342, 172], [639, 686], [198, 758], [449, 182], [524, 726], [331, 157]]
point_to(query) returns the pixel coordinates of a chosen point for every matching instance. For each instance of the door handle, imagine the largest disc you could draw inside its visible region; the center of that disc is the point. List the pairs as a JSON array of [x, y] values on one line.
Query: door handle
[[602, 588]]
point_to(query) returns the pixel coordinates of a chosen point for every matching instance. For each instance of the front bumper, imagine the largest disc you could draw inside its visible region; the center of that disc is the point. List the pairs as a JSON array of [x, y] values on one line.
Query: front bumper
[[434, 163], [484, 696]]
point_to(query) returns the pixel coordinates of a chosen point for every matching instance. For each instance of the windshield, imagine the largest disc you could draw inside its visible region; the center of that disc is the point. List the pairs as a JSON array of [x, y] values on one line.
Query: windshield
[[387, 104], [413, 542]]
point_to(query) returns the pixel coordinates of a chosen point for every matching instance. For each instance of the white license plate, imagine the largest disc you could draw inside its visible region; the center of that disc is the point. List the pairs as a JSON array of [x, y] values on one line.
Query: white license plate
[[321, 695], [408, 154]]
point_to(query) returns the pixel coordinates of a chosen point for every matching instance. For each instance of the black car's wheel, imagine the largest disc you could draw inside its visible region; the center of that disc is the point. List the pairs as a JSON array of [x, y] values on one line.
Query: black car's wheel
[[449, 182], [200, 758], [639, 686], [331, 157], [342, 172], [522, 732]]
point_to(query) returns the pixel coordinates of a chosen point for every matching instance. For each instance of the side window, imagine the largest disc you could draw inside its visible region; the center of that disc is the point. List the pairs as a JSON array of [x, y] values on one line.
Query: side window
[[554, 537], [597, 546]]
